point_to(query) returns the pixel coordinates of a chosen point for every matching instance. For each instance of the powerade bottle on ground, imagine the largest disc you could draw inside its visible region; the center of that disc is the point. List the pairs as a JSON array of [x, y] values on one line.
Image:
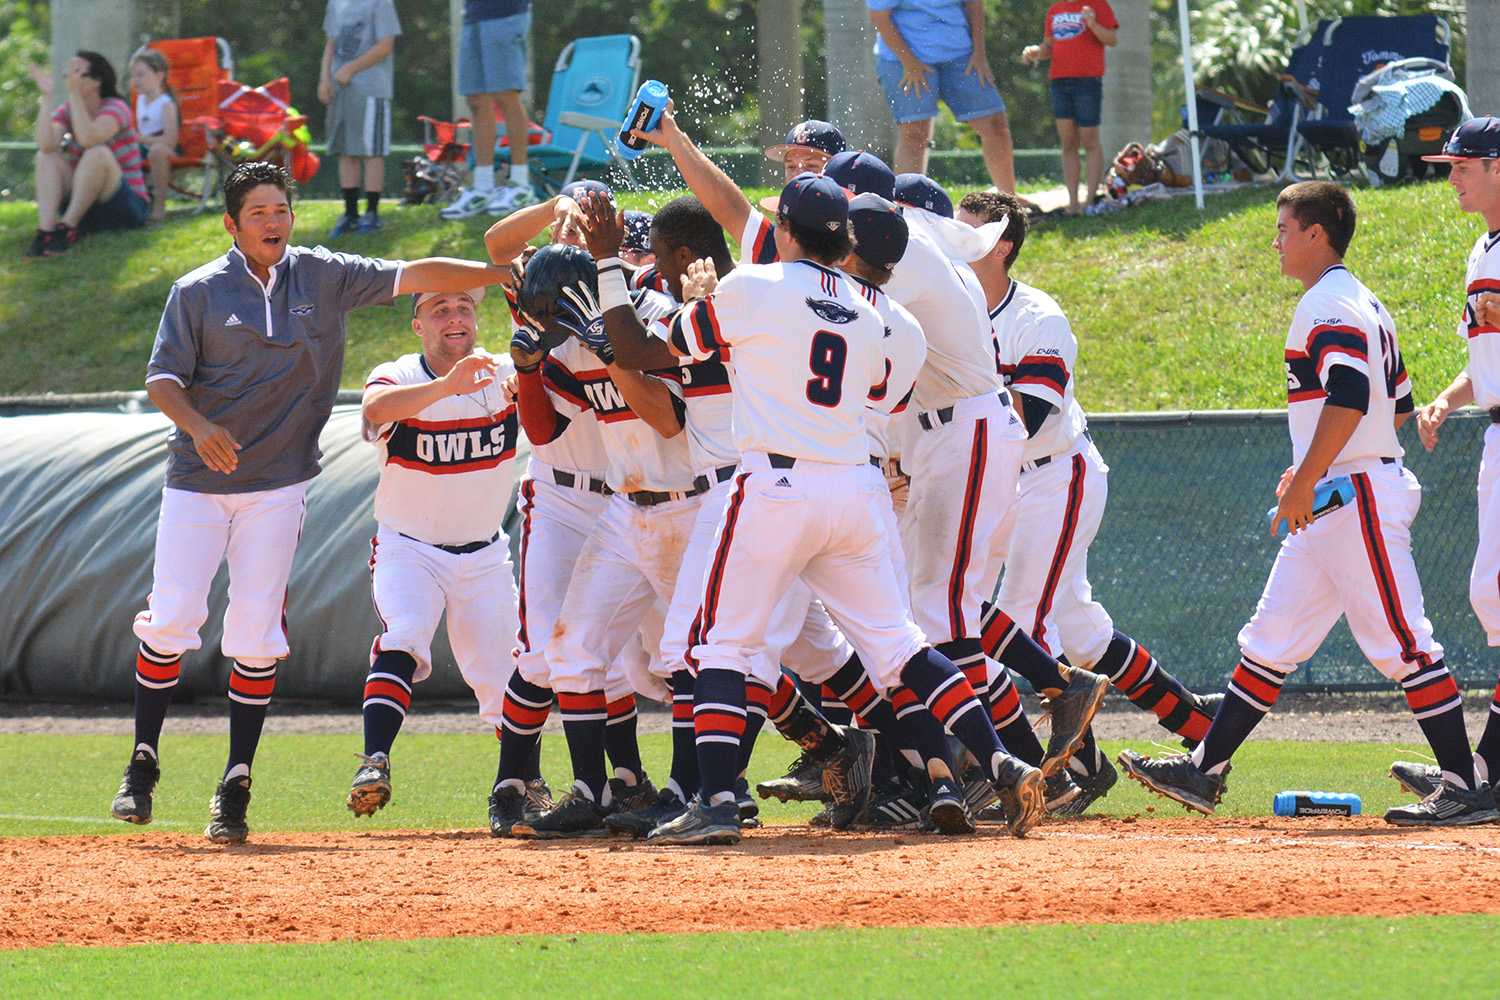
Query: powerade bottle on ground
[[645, 112], [1316, 804]]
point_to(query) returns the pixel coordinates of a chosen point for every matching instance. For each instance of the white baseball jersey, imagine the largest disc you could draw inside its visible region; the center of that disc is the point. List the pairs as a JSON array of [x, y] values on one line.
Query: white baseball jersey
[[1483, 276], [1036, 353], [1340, 322], [905, 353], [947, 302], [708, 394], [765, 319], [446, 474]]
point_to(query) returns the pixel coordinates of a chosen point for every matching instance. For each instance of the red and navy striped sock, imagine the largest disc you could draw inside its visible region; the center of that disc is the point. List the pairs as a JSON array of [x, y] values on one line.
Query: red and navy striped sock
[[387, 698], [1433, 697], [794, 716], [523, 713], [249, 696], [620, 738], [834, 710], [1253, 690], [1006, 642], [583, 717], [1135, 673], [718, 724], [757, 707], [684, 777], [852, 685], [156, 675], [951, 699], [918, 734], [1011, 724], [1489, 740]]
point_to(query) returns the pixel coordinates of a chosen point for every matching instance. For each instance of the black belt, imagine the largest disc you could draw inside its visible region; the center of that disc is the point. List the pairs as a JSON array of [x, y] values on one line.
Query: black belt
[[721, 475], [943, 415], [1388, 460], [787, 461], [458, 550], [650, 498], [875, 461], [1037, 463], [589, 483], [1495, 414]]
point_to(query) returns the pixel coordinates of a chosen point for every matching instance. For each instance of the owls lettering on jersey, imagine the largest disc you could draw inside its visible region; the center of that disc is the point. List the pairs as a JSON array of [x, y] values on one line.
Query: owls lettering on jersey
[[1036, 353], [947, 302], [1340, 322], [446, 473], [636, 456], [1483, 276], [806, 350]]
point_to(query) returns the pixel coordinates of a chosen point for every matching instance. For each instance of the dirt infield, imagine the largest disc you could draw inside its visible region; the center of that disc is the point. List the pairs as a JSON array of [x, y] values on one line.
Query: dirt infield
[[334, 886]]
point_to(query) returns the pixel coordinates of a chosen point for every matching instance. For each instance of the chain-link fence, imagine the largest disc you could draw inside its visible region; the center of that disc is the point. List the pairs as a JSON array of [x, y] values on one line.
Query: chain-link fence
[[1183, 552]]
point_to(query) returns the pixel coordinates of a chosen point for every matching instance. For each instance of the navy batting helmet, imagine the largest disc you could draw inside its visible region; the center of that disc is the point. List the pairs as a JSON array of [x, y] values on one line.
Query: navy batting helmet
[[548, 272]]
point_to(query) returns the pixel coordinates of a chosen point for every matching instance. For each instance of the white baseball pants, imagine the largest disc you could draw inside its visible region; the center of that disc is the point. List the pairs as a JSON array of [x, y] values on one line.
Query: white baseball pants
[[258, 532], [1484, 578]]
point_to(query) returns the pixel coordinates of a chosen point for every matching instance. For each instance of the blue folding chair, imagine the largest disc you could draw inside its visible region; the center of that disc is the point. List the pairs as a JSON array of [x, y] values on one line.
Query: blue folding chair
[[1352, 47], [1261, 144], [593, 83]]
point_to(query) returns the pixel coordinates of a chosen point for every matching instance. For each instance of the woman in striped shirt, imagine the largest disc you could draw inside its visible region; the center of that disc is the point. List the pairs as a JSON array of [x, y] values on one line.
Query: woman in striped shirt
[[88, 161]]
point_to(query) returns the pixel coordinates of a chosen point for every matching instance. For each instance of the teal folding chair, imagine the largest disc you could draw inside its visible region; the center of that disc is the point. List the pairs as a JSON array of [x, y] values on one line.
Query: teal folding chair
[[593, 83]]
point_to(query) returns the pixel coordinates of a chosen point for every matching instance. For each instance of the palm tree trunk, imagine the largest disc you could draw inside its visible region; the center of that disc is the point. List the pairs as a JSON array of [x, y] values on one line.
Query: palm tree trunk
[[778, 27], [1482, 80], [856, 104]]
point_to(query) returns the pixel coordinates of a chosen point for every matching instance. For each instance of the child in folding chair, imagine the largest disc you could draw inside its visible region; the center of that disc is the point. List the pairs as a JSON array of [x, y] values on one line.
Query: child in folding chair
[[156, 122]]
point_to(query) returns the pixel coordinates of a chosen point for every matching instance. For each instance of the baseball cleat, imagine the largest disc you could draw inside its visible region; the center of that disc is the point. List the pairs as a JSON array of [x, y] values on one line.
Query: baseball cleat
[[638, 823], [979, 794], [629, 798], [700, 825], [574, 815], [507, 808], [900, 810], [1061, 791], [820, 819], [1176, 777], [749, 811], [372, 785], [1072, 711], [1093, 785], [1449, 805], [226, 812], [538, 797], [1420, 780], [133, 801], [803, 781], [1022, 794], [846, 776], [946, 810]]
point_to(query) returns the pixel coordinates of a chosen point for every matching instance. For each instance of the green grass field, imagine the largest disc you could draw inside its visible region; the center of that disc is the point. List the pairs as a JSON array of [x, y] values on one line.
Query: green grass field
[[441, 781], [1173, 310]]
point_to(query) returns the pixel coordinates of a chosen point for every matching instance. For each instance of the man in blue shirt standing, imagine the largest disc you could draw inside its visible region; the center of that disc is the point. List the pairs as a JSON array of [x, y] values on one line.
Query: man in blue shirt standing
[[491, 74], [930, 49], [246, 364]]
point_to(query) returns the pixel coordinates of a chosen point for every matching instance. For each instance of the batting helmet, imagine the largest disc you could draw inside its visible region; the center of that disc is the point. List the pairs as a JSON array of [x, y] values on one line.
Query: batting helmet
[[548, 272]]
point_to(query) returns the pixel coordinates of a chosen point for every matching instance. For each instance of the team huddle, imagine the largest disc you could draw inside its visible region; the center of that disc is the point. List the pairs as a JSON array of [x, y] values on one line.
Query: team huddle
[[843, 484]]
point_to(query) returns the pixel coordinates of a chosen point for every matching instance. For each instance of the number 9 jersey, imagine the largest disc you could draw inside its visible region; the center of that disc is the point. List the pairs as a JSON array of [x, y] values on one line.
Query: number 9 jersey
[[807, 355], [1340, 322]]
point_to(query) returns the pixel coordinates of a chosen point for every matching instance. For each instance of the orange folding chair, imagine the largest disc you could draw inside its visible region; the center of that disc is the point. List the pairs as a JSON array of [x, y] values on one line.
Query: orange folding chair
[[194, 68]]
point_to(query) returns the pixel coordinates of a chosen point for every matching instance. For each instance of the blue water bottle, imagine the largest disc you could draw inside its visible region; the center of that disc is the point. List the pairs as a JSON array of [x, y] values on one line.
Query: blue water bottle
[[1316, 804], [645, 113]]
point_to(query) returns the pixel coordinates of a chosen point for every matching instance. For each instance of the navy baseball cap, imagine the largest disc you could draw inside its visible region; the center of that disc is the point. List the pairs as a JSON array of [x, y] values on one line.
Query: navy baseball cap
[[811, 134], [1475, 139], [921, 191], [637, 231], [879, 230], [814, 201], [858, 171], [577, 189]]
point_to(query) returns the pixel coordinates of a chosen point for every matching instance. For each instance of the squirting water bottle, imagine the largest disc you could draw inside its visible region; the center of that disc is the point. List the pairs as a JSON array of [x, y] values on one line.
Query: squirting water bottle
[[645, 113], [1316, 804]]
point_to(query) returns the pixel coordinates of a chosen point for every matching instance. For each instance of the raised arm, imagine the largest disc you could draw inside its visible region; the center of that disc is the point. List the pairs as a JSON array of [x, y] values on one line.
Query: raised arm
[[508, 239], [448, 274], [46, 132], [635, 348], [712, 186], [384, 404]]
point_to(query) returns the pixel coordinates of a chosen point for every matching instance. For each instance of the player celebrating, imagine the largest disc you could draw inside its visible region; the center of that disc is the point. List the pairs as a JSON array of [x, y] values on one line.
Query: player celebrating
[[1349, 504], [803, 505], [1064, 482], [246, 364], [1474, 152], [446, 441]]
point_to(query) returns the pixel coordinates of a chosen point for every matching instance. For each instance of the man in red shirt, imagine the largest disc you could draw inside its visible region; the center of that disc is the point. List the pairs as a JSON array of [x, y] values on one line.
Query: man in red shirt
[[1074, 34]]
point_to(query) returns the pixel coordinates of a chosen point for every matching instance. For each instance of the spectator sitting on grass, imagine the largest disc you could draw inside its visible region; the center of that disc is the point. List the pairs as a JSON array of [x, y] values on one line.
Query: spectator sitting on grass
[[1074, 36], [156, 122], [88, 159]]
